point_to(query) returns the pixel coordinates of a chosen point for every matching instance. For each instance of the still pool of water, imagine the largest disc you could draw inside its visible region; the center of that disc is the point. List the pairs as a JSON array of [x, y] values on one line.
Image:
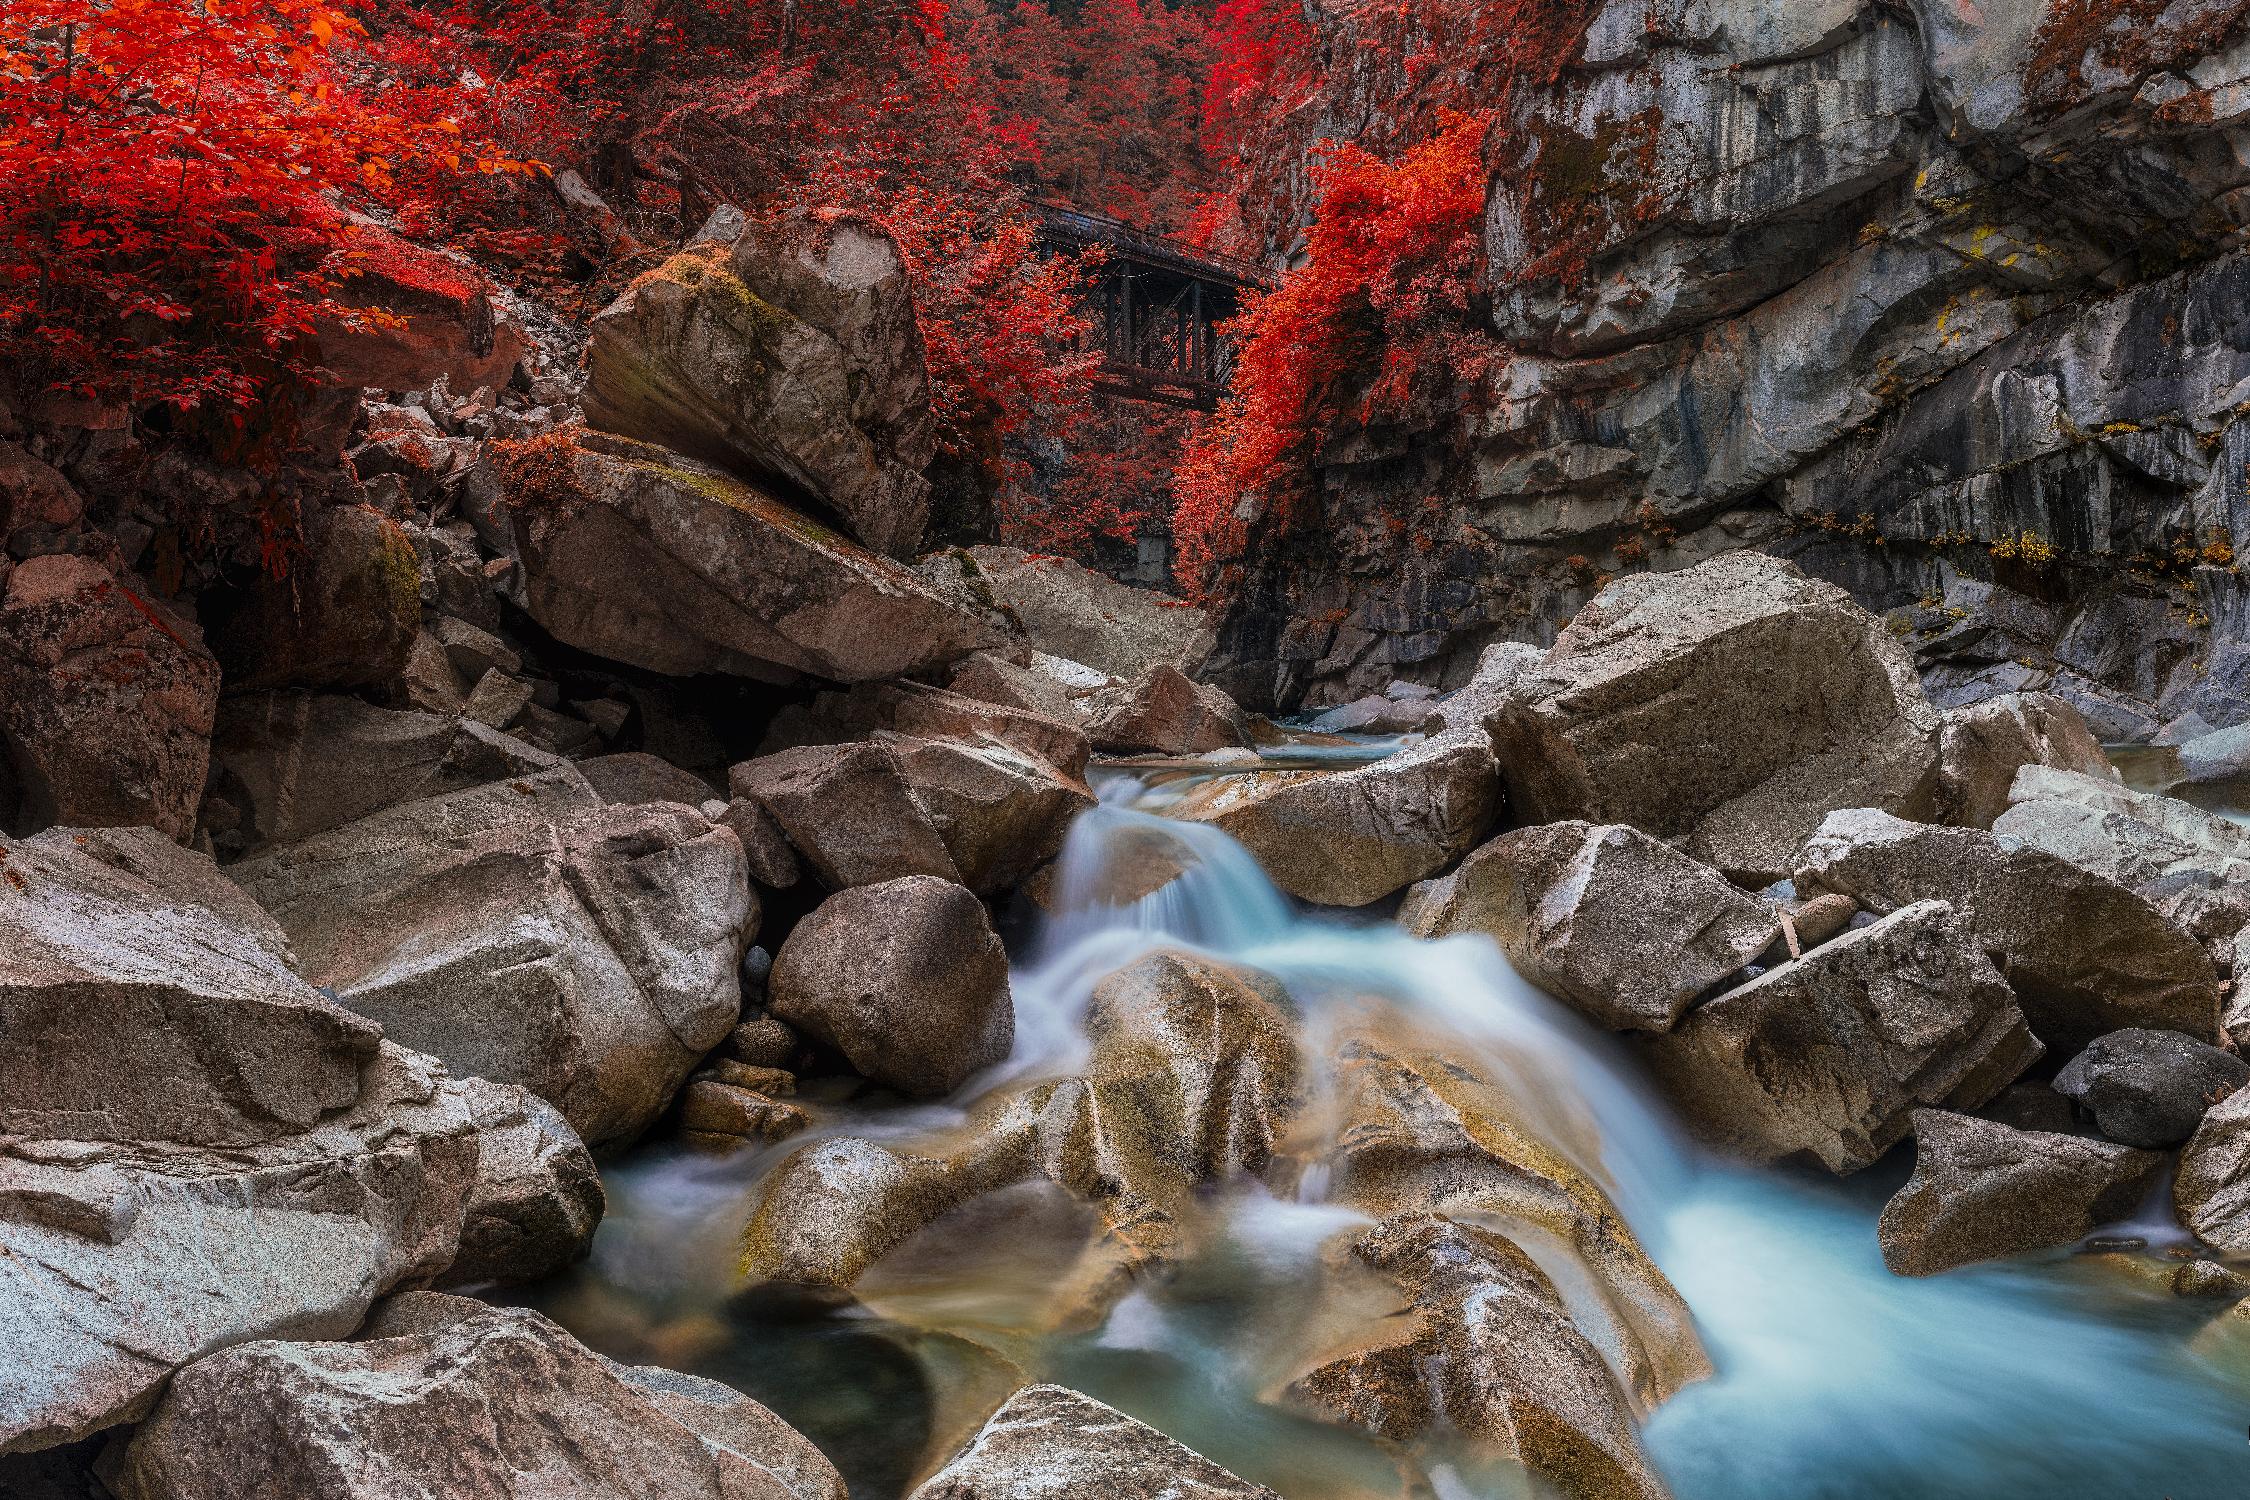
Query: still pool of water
[[2066, 1377]]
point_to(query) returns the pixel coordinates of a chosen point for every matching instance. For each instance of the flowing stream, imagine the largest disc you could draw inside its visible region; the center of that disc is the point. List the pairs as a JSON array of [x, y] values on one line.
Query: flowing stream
[[2067, 1377]]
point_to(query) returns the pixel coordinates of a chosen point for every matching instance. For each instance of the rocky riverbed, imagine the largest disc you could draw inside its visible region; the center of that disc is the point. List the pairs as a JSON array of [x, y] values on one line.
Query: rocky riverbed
[[636, 970]]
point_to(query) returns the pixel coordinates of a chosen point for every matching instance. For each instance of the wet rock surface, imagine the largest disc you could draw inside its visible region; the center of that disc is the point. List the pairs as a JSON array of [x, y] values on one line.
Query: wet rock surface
[[1483, 1344], [1983, 1190]]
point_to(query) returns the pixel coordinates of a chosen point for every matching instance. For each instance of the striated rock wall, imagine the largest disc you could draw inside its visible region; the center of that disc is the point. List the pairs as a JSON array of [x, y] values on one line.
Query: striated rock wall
[[1948, 303]]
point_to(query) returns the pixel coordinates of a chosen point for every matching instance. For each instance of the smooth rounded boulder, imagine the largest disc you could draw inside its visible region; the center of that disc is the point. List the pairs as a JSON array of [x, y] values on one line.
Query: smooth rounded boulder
[[1047, 1441], [905, 978], [2150, 1088]]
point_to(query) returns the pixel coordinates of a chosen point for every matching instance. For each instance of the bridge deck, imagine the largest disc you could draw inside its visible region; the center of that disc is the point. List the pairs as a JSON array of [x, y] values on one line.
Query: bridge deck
[[1158, 305]]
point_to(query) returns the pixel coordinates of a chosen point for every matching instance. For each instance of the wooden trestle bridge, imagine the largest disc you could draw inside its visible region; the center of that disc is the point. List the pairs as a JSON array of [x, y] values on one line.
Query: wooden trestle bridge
[[1156, 308]]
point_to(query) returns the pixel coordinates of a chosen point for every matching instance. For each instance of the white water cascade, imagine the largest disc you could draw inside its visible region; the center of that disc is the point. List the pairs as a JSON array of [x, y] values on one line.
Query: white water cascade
[[2053, 1378]]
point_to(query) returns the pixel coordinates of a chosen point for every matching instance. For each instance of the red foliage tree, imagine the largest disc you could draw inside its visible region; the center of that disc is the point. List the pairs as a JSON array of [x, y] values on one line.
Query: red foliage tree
[[1379, 304], [170, 178]]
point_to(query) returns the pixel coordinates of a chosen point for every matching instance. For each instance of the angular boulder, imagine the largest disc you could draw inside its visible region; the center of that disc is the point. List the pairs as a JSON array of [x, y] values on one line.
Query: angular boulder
[[1734, 704], [2150, 1088], [924, 712], [2211, 1192], [1348, 838], [120, 1261], [408, 315], [1166, 712], [527, 931], [1071, 612], [2191, 864], [2084, 954], [537, 1199], [1983, 746], [450, 1397], [1624, 929], [140, 966], [1982, 1190], [1827, 1056], [1484, 1348], [906, 978], [982, 812], [291, 765], [106, 701], [795, 364], [648, 558], [1048, 1440], [343, 617]]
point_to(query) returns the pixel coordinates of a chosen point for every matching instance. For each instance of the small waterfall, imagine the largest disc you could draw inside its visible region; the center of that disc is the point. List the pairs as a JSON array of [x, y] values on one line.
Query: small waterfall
[[2056, 1379]]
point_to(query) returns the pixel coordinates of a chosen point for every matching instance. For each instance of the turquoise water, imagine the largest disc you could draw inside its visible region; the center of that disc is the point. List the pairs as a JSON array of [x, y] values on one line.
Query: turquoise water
[[2063, 1378]]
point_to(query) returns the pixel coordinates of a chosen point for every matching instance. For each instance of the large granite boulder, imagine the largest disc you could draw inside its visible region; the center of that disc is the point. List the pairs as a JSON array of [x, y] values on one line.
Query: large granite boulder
[[1734, 704], [1483, 1347], [106, 701], [120, 1261], [1349, 838], [527, 931], [1424, 1126], [1165, 712], [2191, 864], [538, 1197], [1826, 1057], [1982, 1190], [913, 708], [2150, 1088], [287, 766], [1048, 1440], [2084, 954], [648, 558], [196, 1147], [1070, 611], [977, 810], [905, 978], [1983, 746], [344, 616], [1624, 929], [789, 358], [405, 315], [2211, 1191], [451, 1397]]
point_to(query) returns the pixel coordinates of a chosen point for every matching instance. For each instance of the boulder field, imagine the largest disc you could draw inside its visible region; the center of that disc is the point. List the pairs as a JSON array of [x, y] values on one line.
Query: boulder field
[[625, 775]]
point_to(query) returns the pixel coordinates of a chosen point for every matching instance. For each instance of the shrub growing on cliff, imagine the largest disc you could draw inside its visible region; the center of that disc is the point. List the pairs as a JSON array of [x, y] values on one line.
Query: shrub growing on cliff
[[1378, 307]]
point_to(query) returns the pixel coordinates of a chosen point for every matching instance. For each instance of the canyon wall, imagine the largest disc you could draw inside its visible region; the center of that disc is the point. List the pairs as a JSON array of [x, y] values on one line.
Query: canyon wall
[[1948, 303]]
